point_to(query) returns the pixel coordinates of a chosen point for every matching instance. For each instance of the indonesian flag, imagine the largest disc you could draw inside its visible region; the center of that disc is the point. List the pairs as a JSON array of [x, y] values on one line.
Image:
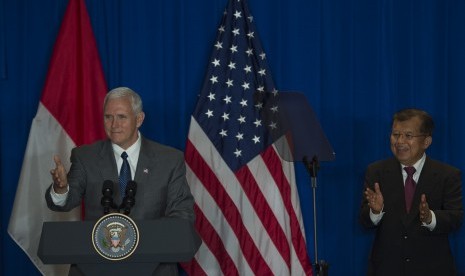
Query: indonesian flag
[[69, 114]]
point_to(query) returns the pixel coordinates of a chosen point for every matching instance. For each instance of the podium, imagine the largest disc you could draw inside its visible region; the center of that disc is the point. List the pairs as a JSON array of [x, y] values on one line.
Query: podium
[[166, 240]]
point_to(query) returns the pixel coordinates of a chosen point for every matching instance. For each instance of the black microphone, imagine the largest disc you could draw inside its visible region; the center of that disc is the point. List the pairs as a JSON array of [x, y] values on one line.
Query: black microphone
[[130, 197], [312, 166], [107, 198]]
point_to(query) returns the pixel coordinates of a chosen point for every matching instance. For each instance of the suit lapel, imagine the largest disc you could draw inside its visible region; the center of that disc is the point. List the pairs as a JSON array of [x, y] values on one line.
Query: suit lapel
[[425, 182], [145, 164], [107, 165], [393, 175]]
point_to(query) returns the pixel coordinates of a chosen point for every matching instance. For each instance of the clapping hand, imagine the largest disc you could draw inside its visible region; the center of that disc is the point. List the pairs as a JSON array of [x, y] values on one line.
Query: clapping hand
[[425, 213], [375, 199]]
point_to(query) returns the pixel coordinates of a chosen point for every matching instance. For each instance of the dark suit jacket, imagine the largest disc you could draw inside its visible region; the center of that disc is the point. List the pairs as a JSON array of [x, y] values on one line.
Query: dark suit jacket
[[162, 189], [402, 246]]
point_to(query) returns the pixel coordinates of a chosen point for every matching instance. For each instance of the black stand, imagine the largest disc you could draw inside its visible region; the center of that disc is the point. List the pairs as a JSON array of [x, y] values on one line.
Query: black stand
[[305, 138], [321, 266], [167, 240]]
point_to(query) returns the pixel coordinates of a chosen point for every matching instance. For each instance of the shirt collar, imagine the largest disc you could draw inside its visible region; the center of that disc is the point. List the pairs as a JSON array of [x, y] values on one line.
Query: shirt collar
[[418, 165], [131, 151]]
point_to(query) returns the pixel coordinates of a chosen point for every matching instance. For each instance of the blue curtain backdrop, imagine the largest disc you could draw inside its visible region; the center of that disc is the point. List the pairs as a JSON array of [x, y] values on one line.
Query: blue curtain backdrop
[[357, 62]]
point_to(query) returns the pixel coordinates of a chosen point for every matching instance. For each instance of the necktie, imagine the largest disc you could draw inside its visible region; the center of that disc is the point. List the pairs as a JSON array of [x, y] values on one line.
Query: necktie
[[124, 174], [409, 187]]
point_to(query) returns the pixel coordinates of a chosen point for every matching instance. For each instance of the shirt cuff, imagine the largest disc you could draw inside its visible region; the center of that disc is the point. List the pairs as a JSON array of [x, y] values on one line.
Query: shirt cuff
[[432, 225], [376, 218], [59, 199]]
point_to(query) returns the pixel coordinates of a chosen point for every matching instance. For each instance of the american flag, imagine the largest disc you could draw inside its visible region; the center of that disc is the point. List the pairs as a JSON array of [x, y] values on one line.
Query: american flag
[[247, 205]]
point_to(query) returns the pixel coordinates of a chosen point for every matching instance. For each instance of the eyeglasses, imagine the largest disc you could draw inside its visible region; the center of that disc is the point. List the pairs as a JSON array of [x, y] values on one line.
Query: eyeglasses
[[407, 136]]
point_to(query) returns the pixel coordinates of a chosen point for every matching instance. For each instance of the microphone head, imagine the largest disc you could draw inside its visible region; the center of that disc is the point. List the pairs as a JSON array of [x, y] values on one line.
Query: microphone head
[[107, 198], [129, 200], [107, 188], [131, 188]]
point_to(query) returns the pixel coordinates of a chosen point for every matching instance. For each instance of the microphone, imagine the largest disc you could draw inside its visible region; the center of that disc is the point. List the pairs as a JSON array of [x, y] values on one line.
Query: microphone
[[312, 166], [107, 198], [130, 198]]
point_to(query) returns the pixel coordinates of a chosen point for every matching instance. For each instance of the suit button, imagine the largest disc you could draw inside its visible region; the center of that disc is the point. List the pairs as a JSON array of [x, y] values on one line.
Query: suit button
[[405, 237], [407, 260]]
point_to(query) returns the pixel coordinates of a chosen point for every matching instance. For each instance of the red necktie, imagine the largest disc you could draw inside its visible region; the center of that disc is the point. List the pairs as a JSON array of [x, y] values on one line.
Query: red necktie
[[409, 187]]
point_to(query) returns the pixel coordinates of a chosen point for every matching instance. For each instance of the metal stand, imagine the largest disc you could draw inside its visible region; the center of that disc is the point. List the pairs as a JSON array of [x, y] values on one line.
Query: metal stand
[[307, 139], [321, 266]]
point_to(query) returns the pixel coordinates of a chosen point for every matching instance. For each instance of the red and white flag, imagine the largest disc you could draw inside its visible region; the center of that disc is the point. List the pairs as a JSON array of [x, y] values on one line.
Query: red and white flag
[[69, 114], [246, 201]]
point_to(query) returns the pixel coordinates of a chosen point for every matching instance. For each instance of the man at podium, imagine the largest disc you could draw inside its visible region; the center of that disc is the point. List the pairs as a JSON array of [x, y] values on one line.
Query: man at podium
[[155, 171]]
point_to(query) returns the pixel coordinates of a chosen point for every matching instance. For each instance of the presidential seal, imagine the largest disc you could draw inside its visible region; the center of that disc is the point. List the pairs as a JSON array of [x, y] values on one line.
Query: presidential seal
[[115, 236]]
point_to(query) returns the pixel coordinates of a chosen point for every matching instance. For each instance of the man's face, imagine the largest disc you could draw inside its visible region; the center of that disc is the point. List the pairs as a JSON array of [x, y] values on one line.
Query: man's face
[[121, 124], [407, 142]]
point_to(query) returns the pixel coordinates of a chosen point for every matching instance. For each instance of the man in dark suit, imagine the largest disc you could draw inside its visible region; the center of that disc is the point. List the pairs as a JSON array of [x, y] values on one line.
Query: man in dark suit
[[158, 170], [413, 201]]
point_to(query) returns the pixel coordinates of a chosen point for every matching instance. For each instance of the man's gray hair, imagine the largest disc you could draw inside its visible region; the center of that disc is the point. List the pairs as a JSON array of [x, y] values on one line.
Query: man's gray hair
[[120, 92]]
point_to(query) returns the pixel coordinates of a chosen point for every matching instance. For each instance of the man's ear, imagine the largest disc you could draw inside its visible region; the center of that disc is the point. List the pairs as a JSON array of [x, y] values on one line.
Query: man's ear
[[427, 142], [140, 119]]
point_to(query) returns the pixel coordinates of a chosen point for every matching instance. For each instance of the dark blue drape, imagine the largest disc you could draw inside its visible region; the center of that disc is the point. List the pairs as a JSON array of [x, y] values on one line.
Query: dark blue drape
[[357, 62]]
